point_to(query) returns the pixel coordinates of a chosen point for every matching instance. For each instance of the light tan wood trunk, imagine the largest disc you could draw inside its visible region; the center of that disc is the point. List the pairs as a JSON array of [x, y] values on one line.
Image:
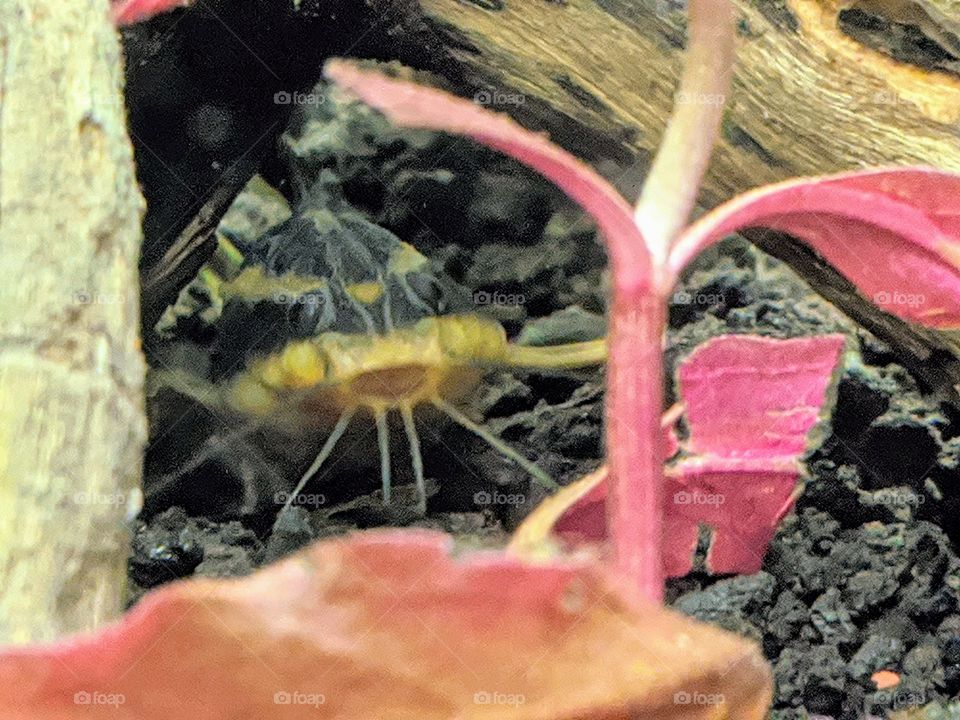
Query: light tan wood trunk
[[72, 426]]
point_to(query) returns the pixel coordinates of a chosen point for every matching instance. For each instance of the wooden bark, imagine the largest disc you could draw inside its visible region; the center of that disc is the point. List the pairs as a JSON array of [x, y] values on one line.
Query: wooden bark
[[806, 99], [71, 417], [600, 75]]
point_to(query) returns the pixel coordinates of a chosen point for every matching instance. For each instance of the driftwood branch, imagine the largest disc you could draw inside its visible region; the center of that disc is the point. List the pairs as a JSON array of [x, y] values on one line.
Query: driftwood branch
[[600, 75], [71, 417]]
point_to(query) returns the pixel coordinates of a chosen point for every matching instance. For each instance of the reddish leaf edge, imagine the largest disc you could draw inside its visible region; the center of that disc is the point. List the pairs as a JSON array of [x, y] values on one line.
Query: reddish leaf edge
[[827, 199], [367, 621], [432, 543], [130, 12], [158, 605]]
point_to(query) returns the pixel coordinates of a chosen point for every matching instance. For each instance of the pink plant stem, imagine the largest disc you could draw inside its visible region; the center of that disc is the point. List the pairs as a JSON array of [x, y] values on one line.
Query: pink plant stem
[[638, 307], [634, 437]]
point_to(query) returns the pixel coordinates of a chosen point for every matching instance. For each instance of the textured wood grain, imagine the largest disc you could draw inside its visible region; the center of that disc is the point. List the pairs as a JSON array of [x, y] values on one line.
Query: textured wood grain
[[71, 416], [806, 99]]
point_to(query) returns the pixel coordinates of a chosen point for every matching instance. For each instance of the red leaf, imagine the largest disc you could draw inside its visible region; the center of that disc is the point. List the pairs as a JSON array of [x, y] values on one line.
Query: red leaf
[[895, 233], [128, 12], [751, 396], [389, 626], [743, 500], [750, 403]]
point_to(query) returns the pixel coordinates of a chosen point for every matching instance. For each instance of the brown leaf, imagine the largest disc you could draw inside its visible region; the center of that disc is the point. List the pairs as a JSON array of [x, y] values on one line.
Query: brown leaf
[[388, 626]]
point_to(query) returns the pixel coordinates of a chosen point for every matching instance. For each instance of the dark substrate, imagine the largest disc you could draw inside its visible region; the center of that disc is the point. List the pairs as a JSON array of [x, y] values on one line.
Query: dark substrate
[[863, 577]]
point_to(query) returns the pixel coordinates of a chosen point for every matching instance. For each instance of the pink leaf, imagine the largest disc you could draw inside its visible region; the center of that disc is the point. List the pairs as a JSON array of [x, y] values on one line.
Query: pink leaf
[[895, 233], [750, 404], [388, 626], [128, 12], [670, 189], [753, 396], [743, 500]]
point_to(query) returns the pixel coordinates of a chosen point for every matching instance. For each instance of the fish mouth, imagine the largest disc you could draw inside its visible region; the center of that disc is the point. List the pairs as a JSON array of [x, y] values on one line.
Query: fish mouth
[[403, 384]]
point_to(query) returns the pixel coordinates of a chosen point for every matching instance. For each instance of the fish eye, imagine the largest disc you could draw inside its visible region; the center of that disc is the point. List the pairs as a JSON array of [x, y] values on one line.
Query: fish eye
[[309, 314]]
